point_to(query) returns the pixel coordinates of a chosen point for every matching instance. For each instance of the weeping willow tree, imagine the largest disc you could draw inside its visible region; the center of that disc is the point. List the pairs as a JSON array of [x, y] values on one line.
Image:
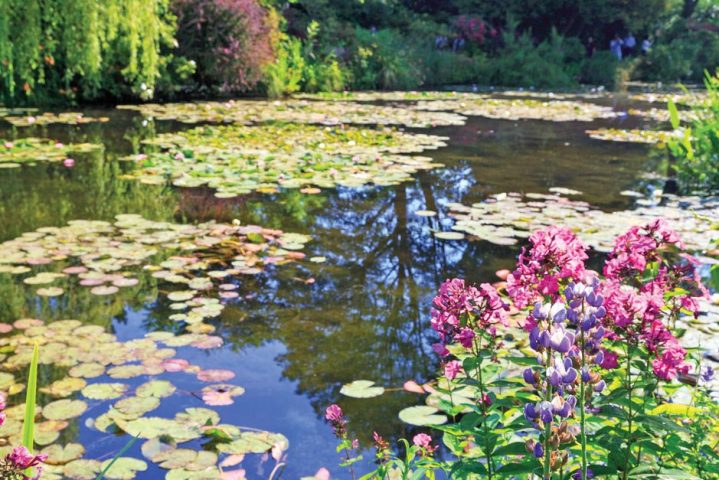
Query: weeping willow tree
[[83, 49]]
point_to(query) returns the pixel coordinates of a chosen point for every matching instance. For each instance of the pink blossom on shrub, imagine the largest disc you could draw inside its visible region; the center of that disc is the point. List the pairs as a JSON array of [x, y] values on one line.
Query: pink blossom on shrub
[[452, 368], [229, 40]]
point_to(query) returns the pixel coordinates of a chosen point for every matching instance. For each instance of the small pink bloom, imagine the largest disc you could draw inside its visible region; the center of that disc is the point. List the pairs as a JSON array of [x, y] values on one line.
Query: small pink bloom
[[334, 413], [422, 440], [610, 361], [451, 369], [58, 145], [69, 162], [8, 144]]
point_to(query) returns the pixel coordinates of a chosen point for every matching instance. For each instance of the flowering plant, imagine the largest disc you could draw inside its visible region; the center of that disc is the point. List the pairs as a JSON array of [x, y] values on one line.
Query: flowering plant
[[565, 373]]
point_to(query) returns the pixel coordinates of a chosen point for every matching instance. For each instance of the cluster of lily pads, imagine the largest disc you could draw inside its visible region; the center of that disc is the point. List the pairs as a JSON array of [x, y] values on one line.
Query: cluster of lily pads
[[96, 369], [506, 219], [47, 118], [31, 149], [525, 109], [105, 257], [634, 135], [296, 111], [99, 372], [237, 159]]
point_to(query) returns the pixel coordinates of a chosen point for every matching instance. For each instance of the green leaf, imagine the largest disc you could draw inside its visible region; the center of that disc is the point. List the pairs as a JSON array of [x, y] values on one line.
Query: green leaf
[[421, 415], [673, 114], [361, 389], [676, 409], [28, 426]]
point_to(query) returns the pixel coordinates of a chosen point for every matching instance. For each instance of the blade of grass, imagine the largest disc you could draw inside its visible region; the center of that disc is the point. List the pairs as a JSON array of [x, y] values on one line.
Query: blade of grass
[[122, 451], [28, 425]]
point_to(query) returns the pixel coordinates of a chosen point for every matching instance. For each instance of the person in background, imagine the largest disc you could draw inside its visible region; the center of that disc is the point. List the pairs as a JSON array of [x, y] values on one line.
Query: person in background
[[630, 43], [646, 46], [591, 47], [615, 46]]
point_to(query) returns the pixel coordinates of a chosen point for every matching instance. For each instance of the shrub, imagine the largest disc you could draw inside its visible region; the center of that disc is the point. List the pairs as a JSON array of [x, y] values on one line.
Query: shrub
[[587, 387], [600, 69], [553, 63], [383, 60], [696, 154], [229, 40]]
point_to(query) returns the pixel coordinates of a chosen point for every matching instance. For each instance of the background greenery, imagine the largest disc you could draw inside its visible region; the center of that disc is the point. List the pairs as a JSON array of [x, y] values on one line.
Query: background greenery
[[64, 51]]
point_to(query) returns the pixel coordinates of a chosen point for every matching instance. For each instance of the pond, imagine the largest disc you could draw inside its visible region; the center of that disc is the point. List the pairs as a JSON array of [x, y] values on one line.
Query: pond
[[296, 331]]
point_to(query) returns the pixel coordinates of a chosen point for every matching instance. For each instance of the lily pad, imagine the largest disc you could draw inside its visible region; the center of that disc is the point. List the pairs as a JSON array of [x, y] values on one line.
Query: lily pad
[[124, 468], [156, 388], [104, 391], [64, 409], [59, 454], [422, 415], [82, 469], [361, 389]]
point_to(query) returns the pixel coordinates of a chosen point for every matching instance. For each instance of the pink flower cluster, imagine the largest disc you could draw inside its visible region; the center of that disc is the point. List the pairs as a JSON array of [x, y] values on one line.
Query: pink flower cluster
[[640, 245], [461, 310], [637, 307], [556, 254]]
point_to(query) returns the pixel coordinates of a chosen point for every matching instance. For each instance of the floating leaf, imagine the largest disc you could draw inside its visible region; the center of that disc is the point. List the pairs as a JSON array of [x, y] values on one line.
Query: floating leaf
[[361, 389], [124, 468], [215, 375], [59, 455], [222, 394], [64, 409], [156, 388], [64, 387], [134, 407], [82, 469], [50, 292], [104, 391], [449, 235], [421, 415]]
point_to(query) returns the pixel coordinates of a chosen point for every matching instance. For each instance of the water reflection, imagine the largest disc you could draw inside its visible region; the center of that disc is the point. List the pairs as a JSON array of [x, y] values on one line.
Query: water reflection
[[294, 342]]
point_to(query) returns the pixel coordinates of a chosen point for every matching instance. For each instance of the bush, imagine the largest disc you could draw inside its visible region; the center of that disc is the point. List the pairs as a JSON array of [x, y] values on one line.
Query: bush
[[600, 69], [553, 63], [383, 60], [696, 154], [587, 388], [297, 68], [230, 41]]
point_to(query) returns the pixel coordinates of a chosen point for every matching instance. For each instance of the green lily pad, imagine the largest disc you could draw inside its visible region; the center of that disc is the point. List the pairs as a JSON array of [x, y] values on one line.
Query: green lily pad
[[59, 454], [64, 387], [104, 391], [64, 409], [422, 415], [156, 388], [82, 469], [124, 468], [252, 442], [361, 389], [134, 407], [449, 235]]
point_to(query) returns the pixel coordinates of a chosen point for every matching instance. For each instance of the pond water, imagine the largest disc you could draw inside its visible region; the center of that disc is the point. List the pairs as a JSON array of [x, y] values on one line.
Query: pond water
[[300, 331]]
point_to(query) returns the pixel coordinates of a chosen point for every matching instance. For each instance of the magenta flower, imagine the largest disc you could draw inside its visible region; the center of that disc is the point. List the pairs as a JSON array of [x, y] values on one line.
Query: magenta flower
[[422, 440], [452, 368], [334, 413], [555, 254], [21, 458]]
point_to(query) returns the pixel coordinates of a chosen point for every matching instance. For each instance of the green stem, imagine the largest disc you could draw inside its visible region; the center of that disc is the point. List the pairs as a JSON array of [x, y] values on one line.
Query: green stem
[[485, 430], [630, 414], [582, 422]]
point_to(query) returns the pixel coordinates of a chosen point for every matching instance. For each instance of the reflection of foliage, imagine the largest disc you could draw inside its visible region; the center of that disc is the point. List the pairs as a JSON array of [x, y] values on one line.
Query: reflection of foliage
[[52, 195]]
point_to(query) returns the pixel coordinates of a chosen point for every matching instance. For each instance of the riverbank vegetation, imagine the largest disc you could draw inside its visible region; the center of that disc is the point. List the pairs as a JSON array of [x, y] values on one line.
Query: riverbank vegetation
[[63, 51]]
